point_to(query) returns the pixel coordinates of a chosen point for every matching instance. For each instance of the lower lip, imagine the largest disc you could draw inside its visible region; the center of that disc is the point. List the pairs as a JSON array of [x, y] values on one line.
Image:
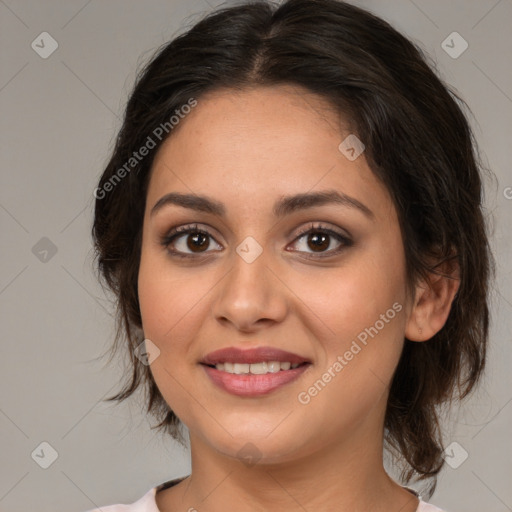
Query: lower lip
[[253, 385]]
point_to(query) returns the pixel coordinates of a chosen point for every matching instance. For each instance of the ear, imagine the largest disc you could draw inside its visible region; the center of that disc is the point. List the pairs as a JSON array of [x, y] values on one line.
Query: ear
[[432, 302]]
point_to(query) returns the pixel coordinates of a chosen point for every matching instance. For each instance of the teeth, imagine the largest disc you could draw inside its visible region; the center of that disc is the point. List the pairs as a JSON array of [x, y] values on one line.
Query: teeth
[[255, 368]]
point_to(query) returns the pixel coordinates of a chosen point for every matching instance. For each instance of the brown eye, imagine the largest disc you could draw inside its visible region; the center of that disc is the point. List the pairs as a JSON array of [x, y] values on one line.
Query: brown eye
[[197, 241], [320, 240], [187, 241]]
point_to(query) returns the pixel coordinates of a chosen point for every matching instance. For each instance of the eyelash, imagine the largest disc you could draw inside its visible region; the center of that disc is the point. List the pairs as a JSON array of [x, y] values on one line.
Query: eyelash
[[176, 233]]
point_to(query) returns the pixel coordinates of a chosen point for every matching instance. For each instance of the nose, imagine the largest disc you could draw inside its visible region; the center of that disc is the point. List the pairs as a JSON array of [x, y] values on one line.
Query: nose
[[251, 295]]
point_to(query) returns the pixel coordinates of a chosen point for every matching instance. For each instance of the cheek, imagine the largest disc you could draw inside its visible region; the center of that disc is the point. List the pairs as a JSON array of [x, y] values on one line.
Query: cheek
[[171, 310], [362, 306], [357, 311], [347, 300], [172, 302]]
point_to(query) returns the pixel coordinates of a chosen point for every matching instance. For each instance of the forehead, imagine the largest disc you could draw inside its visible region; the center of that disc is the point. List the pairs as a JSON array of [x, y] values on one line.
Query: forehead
[[284, 118], [256, 144]]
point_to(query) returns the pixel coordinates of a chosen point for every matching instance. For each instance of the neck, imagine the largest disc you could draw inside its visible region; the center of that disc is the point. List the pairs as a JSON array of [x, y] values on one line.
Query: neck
[[348, 476]]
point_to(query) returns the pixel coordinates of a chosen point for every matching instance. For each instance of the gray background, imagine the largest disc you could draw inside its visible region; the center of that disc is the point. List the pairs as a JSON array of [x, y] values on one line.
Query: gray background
[[58, 119]]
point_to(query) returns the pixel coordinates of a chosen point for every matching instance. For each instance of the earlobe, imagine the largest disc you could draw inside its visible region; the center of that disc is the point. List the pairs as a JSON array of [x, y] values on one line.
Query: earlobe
[[432, 304]]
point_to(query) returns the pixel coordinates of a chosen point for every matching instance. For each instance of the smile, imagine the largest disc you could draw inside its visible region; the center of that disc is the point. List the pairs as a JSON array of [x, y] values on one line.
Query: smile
[[240, 379], [255, 368]]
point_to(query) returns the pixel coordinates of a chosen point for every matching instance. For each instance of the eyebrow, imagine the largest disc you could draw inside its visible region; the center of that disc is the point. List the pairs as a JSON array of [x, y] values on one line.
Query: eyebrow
[[284, 206]]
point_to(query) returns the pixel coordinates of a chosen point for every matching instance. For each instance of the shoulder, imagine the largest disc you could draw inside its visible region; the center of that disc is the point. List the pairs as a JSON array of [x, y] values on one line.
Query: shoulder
[[145, 504], [426, 507], [423, 506]]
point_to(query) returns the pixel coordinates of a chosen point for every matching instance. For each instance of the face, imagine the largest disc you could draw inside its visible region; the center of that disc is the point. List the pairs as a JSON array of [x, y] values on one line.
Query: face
[[324, 280]]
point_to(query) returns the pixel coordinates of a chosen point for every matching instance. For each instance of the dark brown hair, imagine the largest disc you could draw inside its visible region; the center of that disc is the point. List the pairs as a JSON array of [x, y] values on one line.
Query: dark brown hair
[[418, 143]]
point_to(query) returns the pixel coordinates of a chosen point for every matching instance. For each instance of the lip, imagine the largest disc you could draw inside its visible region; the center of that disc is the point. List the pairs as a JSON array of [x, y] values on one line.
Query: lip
[[250, 385], [252, 355]]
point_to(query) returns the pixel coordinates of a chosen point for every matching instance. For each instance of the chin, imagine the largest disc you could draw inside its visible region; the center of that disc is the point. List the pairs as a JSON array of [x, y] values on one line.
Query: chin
[[254, 448]]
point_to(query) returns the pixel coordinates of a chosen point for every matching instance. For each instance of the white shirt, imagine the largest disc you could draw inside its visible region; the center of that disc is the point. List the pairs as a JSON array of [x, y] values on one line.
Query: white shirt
[[148, 503]]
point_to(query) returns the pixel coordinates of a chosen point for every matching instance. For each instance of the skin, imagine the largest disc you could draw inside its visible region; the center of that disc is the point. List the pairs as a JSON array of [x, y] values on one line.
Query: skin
[[247, 149]]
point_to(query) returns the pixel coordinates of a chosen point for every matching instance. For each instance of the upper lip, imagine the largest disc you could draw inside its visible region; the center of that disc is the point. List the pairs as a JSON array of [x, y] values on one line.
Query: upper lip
[[251, 355]]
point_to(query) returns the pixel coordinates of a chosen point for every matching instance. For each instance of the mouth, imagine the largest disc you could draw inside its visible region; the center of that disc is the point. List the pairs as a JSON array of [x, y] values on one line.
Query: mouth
[[256, 355], [253, 384], [260, 368], [253, 372]]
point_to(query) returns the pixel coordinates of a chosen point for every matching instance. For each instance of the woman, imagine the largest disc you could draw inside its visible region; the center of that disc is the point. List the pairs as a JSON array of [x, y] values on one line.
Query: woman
[[291, 222]]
